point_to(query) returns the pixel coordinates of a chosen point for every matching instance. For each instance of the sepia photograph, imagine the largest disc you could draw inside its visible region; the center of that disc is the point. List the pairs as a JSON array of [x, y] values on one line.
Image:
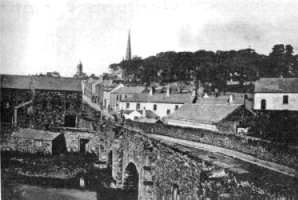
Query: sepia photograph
[[149, 99]]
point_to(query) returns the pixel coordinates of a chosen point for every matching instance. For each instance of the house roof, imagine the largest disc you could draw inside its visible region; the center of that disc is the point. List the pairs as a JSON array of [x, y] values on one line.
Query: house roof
[[206, 113], [149, 113], [160, 98], [41, 83], [147, 120], [277, 85], [129, 90], [238, 99], [35, 134]]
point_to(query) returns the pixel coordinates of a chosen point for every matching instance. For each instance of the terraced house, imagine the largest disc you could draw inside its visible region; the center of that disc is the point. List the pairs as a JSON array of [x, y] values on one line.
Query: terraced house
[[40, 101], [162, 104], [124, 92]]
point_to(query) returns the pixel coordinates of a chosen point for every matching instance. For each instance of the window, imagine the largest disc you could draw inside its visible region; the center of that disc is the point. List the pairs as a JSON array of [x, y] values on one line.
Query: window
[[176, 107], [135, 117], [168, 112], [127, 105], [138, 106], [44, 104], [154, 107], [120, 97], [37, 143], [263, 104], [67, 105], [285, 99], [125, 96], [117, 97]]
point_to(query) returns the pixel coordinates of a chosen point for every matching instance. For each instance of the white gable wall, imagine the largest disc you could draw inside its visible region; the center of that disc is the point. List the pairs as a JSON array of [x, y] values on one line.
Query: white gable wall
[[132, 115], [161, 109], [274, 101], [107, 96]]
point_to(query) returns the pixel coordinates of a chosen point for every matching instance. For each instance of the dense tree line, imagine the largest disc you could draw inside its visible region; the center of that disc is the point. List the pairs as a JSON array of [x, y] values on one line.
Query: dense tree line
[[213, 67]]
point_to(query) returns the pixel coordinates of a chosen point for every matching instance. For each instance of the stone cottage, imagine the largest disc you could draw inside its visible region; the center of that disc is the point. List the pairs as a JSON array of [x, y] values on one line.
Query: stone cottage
[[40, 101], [37, 141]]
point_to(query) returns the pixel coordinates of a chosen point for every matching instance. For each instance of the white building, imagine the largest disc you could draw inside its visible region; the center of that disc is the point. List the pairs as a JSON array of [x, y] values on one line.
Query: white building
[[162, 104], [276, 94], [107, 95]]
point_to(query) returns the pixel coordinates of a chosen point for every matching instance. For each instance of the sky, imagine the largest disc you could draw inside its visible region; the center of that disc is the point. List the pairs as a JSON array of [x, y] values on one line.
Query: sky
[[54, 35]]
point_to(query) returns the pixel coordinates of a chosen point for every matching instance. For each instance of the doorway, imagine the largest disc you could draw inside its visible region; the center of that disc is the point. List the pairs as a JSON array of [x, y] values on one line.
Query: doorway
[[83, 143]]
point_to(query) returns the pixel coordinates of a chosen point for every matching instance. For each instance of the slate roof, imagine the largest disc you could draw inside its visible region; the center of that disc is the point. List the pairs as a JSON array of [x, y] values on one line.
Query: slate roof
[[277, 85], [41, 83], [35, 134], [206, 113], [160, 98], [129, 90], [238, 99]]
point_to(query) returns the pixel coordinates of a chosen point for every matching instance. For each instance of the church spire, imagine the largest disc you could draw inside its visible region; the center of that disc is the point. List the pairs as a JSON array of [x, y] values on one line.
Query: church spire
[[128, 49]]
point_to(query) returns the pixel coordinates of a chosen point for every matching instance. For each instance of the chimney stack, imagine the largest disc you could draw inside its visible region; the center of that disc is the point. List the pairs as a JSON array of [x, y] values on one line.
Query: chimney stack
[[168, 90], [193, 94], [150, 91], [231, 98], [144, 112]]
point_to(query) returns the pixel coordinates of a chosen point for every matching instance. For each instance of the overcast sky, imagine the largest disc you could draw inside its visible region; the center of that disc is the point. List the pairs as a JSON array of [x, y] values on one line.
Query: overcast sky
[[53, 35]]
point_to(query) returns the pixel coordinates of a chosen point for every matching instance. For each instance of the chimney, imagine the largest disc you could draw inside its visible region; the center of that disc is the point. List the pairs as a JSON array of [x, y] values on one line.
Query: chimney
[[193, 94], [144, 112], [151, 91], [231, 98], [168, 90], [178, 90]]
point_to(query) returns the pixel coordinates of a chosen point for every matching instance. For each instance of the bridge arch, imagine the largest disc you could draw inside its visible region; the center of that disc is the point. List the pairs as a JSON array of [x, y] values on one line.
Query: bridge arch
[[131, 181]]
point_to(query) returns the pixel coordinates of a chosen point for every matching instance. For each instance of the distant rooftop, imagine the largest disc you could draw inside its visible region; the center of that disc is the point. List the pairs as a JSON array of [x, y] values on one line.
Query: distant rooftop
[[129, 90], [206, 113], [41, 83], [160, 98], [277, 85]]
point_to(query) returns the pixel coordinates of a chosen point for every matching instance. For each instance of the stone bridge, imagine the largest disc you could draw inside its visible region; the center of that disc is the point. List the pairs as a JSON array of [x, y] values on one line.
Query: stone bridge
[[151, 168]]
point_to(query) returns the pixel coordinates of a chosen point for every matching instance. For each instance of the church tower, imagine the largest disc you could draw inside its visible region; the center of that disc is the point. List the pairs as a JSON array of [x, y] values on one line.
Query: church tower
[[80, 73], [128, 49]]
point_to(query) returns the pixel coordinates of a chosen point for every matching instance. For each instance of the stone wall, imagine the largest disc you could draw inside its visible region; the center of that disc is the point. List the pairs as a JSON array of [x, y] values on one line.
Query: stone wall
[[162, 168], [50, 107], [72, 138], [58, 105], [6, 131], [274, 152], [27, 145]]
